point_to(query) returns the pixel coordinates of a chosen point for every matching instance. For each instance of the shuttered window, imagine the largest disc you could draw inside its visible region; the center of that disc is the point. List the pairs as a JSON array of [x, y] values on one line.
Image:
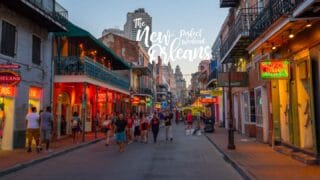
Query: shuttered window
[[36, 50], [8, 39]]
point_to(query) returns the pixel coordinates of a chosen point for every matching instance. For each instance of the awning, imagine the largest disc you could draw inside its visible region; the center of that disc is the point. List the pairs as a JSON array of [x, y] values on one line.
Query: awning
[[75, 31]]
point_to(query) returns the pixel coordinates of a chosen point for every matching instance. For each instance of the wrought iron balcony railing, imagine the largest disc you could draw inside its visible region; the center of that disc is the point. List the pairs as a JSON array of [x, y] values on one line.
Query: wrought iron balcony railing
[[274, 10], [229, 3], [73, 65], [145, 91], [55, 10], [213, 75], [239, 29]]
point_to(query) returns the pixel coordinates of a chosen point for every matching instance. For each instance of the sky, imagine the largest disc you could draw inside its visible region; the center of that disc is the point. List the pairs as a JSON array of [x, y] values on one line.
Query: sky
[[180, 17]]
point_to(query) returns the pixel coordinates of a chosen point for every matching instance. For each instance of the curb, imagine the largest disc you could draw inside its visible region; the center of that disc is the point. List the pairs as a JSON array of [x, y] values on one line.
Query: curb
[[241, 170], [21, 166]]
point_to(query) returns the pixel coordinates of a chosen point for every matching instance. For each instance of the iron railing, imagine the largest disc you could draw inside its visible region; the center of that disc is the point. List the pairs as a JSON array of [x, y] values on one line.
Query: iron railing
[[240, 28], [274, 10], [55, 10], [72, 65], [145, 91], [229, 3]]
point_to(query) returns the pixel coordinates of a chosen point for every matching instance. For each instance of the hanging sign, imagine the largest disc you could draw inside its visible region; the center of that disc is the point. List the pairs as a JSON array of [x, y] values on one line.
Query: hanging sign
[[209, 100], [9, 78], [274, 69], [9, 66]]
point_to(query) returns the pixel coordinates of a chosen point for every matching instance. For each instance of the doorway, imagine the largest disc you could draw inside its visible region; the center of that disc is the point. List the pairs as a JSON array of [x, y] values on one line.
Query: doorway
[[235, 112], [63, 115], [6, 123]]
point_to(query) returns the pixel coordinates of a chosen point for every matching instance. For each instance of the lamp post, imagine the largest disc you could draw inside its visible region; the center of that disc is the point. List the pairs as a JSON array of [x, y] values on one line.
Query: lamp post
[[231, 144]]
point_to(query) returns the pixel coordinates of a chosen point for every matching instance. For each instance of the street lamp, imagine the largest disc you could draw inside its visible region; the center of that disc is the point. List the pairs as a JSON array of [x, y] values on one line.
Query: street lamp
[[231, 144]]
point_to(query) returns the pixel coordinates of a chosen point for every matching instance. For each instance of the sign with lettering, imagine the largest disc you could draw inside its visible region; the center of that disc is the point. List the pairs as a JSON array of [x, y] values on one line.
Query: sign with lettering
[[9, 66], [7, 91], [274, 69], [209, 100], [237, 79], [9, 78]]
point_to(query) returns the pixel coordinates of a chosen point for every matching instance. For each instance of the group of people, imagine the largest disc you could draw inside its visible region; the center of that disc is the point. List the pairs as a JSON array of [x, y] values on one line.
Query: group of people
[[39, 128], [136, 127]]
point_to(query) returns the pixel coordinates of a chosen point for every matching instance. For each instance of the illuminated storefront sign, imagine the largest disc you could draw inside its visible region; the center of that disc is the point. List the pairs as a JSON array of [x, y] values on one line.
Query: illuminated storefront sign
[[9, 66], [210, 100], [135, 100], [274, 69], [7, 91], [35, 93], [9, 78]]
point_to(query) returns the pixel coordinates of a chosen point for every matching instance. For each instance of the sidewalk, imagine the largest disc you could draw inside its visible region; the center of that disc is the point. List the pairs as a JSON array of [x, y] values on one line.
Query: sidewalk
[[260, 161], [10, 159]]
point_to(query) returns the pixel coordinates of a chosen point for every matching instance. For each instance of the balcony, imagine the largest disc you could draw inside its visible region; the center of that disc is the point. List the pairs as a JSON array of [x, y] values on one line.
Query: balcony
[[273, 11], [238, 37], [75, 66], [147, 91], [43, 12], [229, 3]]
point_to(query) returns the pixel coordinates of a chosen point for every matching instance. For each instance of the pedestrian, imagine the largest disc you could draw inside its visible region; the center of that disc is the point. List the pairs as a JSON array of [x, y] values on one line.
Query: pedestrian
[[144, 129], [106, 128], [136, 124], [129, 128], [189, 123], [33, 129], [168, 127], [120, 127], [155, 124], [75, 123], [46, 121]]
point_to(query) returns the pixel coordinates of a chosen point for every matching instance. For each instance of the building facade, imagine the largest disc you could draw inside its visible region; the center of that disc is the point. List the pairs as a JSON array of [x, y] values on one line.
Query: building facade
[[26, 42], [181, 87], [141, 75]]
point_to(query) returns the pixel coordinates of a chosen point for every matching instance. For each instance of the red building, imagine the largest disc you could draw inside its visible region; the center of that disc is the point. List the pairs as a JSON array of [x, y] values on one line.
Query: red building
[[86, 80]]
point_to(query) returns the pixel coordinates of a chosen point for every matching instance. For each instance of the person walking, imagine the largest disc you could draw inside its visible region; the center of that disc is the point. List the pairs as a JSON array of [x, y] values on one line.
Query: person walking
[[120, 127], [46, 122], [75, 123], [33, 129], [144, 129], [136, 124], [168, 127], [129, 129], [107, 127], [155, 124]]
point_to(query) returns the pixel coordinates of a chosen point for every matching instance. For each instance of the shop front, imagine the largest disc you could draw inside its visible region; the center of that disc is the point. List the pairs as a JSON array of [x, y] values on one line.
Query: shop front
[[7, 104]]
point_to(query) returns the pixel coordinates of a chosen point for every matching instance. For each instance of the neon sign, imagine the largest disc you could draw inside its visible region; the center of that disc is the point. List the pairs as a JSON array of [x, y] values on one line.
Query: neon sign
[[9, 78], [210, 100], [35, 93], [274, 69], [7, 91]]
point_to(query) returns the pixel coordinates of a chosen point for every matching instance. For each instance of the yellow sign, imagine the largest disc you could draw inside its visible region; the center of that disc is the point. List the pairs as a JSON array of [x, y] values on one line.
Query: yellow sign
[[211, 92]]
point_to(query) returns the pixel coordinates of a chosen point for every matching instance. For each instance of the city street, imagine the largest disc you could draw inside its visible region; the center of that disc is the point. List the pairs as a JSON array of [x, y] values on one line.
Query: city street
[[187, 157]]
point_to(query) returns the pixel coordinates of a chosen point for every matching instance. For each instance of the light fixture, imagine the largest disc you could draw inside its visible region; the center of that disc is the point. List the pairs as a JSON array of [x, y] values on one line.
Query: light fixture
[[309, 24], [291, 35], [273, 46]]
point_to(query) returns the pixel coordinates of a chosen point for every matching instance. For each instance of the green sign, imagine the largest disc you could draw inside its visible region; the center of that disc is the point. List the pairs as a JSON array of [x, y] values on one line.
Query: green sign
[[274, 69]]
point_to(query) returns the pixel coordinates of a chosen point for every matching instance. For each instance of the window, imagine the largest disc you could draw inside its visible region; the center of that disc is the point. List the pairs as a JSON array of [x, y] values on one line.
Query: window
[[246, 107], [36, 50], [260, 6], [258, 106], [8, 39]]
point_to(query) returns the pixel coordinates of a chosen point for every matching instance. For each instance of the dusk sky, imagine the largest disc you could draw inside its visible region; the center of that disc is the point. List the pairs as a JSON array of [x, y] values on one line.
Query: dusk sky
[[172, 15]]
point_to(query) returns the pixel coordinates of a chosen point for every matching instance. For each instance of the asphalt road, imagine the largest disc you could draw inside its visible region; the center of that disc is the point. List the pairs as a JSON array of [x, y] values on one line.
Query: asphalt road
[[187, 157]]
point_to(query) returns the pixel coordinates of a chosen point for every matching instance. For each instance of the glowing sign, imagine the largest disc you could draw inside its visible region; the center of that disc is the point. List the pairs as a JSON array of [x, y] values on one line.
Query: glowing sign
[[210, 100], [102, 97], [35, 93], [135, 100], [9, 78], [274, 69], [7, 91]]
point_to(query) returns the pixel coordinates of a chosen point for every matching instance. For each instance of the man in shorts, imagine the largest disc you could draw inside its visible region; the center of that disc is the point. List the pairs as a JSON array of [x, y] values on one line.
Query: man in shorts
[[33, 131], [46, 127]]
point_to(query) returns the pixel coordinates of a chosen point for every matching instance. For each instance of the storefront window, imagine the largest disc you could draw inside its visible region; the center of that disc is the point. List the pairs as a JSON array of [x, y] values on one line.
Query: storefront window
[[35, 97]]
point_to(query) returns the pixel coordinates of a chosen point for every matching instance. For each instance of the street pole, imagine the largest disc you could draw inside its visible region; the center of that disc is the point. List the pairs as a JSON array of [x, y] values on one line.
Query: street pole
[[231, 144]]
